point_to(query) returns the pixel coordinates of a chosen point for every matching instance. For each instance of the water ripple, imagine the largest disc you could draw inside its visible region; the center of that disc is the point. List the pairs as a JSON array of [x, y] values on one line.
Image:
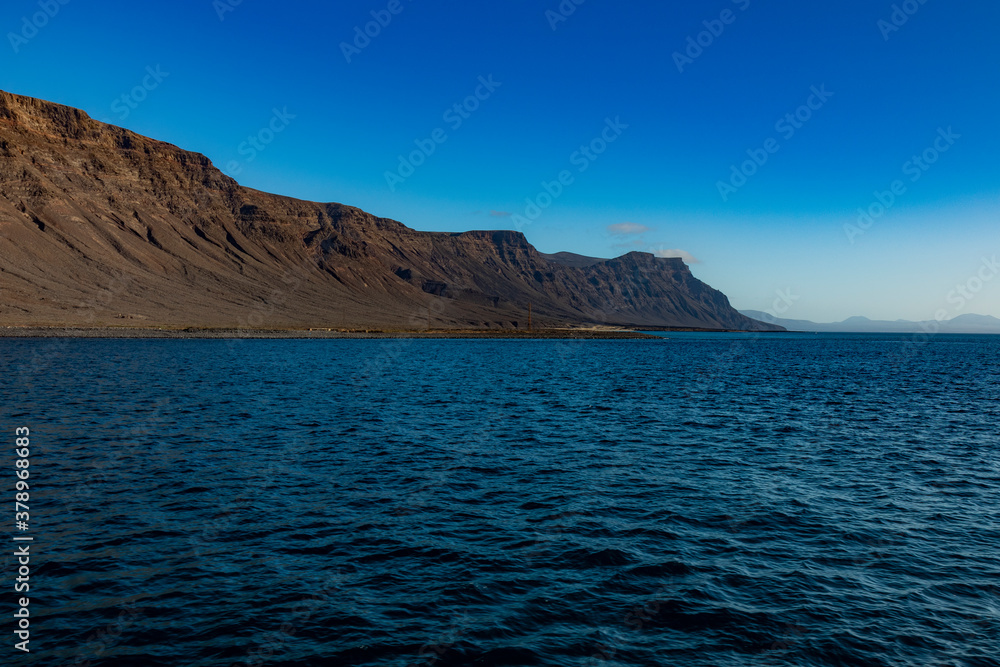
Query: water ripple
[[704, 500]]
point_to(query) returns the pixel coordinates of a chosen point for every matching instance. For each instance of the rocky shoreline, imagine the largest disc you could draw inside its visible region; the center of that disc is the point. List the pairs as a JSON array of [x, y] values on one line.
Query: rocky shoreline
[[196, 333]]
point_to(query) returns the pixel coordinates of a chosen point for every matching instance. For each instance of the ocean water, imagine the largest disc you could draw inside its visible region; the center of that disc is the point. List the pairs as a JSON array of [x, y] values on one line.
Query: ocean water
[[699, 500]]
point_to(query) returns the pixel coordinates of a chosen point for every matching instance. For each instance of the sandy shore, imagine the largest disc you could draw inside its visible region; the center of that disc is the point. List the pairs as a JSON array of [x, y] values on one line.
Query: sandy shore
[[153, 332]]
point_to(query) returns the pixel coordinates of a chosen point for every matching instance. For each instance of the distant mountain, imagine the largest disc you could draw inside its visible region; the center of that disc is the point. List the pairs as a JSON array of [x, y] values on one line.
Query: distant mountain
[[102, 226], [966, 324]]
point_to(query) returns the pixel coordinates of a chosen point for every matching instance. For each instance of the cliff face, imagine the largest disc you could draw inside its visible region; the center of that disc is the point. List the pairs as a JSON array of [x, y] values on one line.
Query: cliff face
[[101, 226]]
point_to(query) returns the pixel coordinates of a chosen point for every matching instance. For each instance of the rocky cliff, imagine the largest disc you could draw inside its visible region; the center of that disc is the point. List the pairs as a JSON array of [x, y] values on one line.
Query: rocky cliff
[[101, 226]]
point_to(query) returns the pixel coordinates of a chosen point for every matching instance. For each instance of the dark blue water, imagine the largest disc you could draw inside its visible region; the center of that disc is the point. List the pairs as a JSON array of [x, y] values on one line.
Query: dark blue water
[[700, 500]]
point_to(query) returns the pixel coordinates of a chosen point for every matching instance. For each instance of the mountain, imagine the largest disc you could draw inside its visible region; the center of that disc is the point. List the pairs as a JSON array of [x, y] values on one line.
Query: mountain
[[572, 259], [101, 226], [963, 324]]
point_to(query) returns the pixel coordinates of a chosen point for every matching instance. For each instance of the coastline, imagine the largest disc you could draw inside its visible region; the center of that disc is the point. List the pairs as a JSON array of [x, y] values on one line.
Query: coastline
[[318, 333]]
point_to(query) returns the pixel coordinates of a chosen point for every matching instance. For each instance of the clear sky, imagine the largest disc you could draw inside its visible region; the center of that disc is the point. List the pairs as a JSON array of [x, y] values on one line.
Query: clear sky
[[643, 108]]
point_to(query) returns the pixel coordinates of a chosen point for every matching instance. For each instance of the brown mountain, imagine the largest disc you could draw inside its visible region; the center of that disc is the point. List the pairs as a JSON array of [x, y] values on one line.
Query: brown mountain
[[101, 226]]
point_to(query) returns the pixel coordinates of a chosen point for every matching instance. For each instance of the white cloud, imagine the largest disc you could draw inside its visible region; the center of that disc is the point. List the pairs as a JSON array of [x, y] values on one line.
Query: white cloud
[[683, 254]]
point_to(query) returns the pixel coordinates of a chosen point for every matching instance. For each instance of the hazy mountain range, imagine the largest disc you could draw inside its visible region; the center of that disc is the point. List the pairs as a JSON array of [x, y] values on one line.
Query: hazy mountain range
[[971, 324], [101, 226]]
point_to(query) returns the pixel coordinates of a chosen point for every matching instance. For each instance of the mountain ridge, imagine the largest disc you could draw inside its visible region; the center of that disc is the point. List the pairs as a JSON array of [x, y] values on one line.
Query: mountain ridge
[[102, 226], [968, 323]]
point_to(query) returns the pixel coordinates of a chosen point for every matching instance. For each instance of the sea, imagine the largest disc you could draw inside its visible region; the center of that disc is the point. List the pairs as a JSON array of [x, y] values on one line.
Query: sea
[[694, 500]]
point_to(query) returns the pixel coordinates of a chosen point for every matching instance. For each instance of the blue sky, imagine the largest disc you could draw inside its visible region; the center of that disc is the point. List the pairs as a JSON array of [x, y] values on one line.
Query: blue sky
[[646, 140]]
